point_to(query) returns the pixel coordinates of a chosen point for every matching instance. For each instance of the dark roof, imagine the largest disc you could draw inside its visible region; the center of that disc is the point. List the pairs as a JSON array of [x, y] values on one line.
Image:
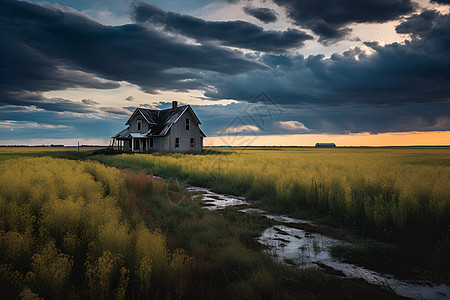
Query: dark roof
[[160, 121], [326, 145], [123, 134]]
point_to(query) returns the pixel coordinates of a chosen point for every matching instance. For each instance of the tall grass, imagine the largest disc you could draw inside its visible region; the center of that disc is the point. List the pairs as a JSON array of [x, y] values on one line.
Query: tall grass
[[56, 152], [398, 193], [71, 229], [67, 224]]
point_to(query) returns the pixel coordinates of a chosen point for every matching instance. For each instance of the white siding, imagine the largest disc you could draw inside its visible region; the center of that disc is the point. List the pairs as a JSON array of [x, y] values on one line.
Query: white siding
[[178, 130], [133, 124], [167, 143]]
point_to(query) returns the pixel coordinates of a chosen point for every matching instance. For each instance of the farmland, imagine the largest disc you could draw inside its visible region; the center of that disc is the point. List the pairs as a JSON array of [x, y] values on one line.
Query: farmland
[[393, 193], [59, 217], [107, 230]]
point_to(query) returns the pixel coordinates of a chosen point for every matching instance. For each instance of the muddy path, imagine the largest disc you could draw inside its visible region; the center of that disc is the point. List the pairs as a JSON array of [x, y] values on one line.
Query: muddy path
[[296, 243]]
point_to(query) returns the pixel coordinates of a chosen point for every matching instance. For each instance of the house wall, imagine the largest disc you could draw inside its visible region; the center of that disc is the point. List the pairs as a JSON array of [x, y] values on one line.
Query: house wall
[[178, 130], [167, 143], [158, 144], [157, 141], [133, 124]]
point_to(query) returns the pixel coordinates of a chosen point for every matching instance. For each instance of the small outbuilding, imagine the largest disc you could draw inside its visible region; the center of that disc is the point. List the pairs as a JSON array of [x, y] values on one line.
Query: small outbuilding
[[325, 145]]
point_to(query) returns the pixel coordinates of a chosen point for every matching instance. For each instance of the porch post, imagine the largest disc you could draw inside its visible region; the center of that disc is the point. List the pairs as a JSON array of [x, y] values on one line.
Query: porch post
[[132, 145]]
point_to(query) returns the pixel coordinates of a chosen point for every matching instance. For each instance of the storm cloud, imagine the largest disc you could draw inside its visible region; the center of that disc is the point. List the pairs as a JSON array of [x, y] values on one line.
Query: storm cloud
[[44, 49], [416, 72], [317, 119], [447, 2], [239, 34], [265, 15], [394, 87], [56, 124], [329, 18]]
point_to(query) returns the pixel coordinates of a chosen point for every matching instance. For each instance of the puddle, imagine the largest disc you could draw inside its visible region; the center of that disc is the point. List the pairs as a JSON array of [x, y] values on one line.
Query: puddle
[[278, 218], [216, 201], [300, 248], [303, 249]]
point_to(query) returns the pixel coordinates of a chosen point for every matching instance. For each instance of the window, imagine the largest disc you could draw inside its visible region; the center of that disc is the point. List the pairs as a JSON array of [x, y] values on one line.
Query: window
[[136, 144], [151, 143], [177, 143], [192, 143], [139, 125], [187, 124]]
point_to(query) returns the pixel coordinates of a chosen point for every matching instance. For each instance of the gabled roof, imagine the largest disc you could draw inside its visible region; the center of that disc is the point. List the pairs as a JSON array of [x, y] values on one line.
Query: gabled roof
[[123, 134], [160, 121]]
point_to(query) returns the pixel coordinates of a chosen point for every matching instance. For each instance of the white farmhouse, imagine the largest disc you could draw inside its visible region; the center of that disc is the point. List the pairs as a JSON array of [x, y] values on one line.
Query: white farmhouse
[[168, 130]]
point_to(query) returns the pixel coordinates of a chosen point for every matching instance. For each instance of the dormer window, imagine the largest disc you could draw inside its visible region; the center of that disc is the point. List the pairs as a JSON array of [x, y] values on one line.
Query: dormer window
[[187, 124], [139, 125]]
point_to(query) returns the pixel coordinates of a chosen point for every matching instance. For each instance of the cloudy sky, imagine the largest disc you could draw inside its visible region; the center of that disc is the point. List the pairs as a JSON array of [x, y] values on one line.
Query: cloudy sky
[[261, 72]]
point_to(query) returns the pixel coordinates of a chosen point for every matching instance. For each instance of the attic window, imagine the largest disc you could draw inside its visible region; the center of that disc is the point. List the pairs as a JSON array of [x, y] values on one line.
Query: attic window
[[139, 125], [187, 124]]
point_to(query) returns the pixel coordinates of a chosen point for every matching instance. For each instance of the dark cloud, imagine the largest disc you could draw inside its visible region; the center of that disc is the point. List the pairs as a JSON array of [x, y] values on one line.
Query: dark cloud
[[265, 15], [400, 87], [26, 98], [129, 98], [396, 77], [45, 49], [230, 33], [344, 119], [421, 24], [27, 61], [73, 125], [417, 71], [441, 1], [329, 18]]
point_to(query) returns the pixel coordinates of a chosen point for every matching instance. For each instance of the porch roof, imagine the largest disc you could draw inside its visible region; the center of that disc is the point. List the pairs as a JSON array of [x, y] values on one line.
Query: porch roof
[[138, 136]]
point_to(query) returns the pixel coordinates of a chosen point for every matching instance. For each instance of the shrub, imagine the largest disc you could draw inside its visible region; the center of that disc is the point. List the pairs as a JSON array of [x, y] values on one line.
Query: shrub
[[66, 223]]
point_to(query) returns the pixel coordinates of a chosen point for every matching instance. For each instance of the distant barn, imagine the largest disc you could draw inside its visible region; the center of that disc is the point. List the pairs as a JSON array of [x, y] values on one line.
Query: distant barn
[[325, 145]]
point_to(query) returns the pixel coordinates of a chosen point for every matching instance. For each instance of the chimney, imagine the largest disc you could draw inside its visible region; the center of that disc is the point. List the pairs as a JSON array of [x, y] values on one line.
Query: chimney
[[174, 104]]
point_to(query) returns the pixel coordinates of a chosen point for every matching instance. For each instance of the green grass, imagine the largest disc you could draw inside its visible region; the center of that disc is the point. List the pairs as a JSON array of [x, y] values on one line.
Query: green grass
[[396, 197], [227, 261], [395, 194], [55, 152]]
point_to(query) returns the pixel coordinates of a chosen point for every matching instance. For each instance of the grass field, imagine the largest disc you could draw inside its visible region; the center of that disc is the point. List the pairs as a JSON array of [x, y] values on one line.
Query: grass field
[[79, 229], [397, 194], [55, 152], [62, 219]]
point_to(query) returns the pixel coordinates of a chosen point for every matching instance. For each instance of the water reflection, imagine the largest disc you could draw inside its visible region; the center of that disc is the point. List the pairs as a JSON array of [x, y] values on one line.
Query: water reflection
[[303, 249]]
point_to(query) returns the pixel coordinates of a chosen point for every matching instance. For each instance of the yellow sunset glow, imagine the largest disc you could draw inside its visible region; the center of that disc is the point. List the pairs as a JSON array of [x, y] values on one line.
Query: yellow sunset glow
[[433, 138]]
